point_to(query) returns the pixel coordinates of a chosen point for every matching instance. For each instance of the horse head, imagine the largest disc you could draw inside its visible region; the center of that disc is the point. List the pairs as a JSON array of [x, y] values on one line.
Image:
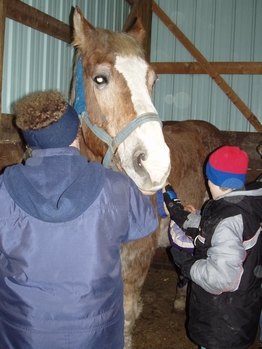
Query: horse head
[[118, 86]]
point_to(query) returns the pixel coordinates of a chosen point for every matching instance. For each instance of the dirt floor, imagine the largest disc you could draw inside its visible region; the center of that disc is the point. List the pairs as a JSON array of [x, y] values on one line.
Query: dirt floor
[[158, 326]]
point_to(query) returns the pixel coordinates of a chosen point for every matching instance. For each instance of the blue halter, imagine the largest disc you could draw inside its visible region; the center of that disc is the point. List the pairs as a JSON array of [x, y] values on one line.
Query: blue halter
[[114, 142]]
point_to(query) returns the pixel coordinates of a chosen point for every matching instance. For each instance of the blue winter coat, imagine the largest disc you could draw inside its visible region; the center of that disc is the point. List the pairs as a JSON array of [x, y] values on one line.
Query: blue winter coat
[[62, 220]]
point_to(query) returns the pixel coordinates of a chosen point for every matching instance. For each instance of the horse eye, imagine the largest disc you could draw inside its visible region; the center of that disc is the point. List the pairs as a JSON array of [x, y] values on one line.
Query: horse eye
[[100, 80]]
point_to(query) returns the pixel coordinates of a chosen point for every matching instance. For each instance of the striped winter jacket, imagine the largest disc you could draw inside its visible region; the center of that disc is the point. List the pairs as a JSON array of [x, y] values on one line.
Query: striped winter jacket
[[225, 301]]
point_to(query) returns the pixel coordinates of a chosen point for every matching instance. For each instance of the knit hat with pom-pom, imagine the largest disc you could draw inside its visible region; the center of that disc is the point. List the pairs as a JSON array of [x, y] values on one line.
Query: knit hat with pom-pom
[[227, 167], [47, 120]]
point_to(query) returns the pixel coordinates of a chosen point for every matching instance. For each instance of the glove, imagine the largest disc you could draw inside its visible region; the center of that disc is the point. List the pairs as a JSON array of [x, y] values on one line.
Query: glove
[[175, 209], [184, 260]]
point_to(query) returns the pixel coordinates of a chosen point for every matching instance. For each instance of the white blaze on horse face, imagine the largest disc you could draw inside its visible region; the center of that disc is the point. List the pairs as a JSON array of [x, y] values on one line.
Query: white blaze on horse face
[[134, 70], [144, 154]]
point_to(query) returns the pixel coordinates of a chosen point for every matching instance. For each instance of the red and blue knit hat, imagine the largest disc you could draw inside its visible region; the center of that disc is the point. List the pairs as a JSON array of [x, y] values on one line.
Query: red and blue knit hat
[[227, 167]]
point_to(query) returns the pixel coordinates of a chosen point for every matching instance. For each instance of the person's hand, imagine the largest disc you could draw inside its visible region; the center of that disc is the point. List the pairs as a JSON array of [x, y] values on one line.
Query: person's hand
[[174, 206], [184, 260], [190, 208]]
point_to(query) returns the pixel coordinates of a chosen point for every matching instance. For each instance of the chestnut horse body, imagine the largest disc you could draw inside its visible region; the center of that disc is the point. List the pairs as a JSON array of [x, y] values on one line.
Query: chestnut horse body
[[118, 84]]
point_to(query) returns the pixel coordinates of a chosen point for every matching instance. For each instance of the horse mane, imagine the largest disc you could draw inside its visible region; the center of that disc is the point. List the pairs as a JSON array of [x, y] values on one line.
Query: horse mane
[[119, 42]]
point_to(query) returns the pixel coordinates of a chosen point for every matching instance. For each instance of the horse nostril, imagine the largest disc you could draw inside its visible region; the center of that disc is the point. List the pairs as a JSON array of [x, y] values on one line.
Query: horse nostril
[[141, 157]]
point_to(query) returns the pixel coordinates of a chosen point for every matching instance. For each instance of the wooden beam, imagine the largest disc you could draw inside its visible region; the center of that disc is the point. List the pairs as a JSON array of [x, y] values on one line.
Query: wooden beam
[[11, 153], [207, 67], [8, 130], [232, 68], [142, 9], [131, 18], [31, 17], [2, 42], [11, 145], [146, 15]]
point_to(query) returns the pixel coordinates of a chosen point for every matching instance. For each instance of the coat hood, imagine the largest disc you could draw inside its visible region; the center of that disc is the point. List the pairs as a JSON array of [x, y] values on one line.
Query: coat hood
[[55, 185]]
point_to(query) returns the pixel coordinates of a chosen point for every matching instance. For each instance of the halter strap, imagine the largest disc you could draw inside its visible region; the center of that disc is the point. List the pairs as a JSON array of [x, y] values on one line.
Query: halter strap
[[114, 142]]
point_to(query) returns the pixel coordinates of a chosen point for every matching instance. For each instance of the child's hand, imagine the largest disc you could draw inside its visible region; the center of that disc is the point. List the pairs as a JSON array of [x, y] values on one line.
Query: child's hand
[[191, 209]]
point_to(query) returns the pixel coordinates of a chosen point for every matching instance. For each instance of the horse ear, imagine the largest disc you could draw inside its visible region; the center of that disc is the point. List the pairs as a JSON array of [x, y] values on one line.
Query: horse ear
[[138, 31], [82, 28]]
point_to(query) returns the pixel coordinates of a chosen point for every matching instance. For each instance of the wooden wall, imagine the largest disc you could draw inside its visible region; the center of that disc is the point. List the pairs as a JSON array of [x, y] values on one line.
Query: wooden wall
[[11, 144]]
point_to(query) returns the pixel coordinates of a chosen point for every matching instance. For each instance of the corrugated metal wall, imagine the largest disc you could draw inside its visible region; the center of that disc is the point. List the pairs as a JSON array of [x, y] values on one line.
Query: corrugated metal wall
[[33, 61], [222, 30]]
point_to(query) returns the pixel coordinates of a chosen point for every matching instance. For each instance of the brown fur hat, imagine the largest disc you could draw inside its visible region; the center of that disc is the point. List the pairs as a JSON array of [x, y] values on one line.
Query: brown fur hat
[[39, 110], [47, 120]]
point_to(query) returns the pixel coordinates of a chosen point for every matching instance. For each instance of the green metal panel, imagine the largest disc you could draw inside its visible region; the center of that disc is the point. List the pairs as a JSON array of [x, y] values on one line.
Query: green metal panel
[[223, 31], [34, 61]]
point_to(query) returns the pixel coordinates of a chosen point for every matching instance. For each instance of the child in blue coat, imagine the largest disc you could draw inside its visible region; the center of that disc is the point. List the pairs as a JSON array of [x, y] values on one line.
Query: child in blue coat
[[62, 221]]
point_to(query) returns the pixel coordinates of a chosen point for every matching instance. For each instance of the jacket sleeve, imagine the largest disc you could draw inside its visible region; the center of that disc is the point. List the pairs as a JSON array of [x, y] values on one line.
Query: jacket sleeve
[[221, 271], [143, 219]]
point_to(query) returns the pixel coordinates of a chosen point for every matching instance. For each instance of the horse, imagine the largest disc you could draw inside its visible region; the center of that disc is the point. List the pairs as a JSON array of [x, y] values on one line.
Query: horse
[[118, 85], [121, 128]]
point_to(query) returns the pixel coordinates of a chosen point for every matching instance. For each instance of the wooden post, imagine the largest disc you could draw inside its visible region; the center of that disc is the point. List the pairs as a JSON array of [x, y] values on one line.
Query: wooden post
[[146, 15], [131, 18], [207, 67], [142, 9]]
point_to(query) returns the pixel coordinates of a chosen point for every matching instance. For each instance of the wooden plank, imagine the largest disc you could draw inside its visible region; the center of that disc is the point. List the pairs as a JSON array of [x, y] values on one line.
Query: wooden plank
[[31, 17], [249, 68], [11, 153], [146, 15], [222, 84], [8, 130], [131, 18], [11, 145]]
